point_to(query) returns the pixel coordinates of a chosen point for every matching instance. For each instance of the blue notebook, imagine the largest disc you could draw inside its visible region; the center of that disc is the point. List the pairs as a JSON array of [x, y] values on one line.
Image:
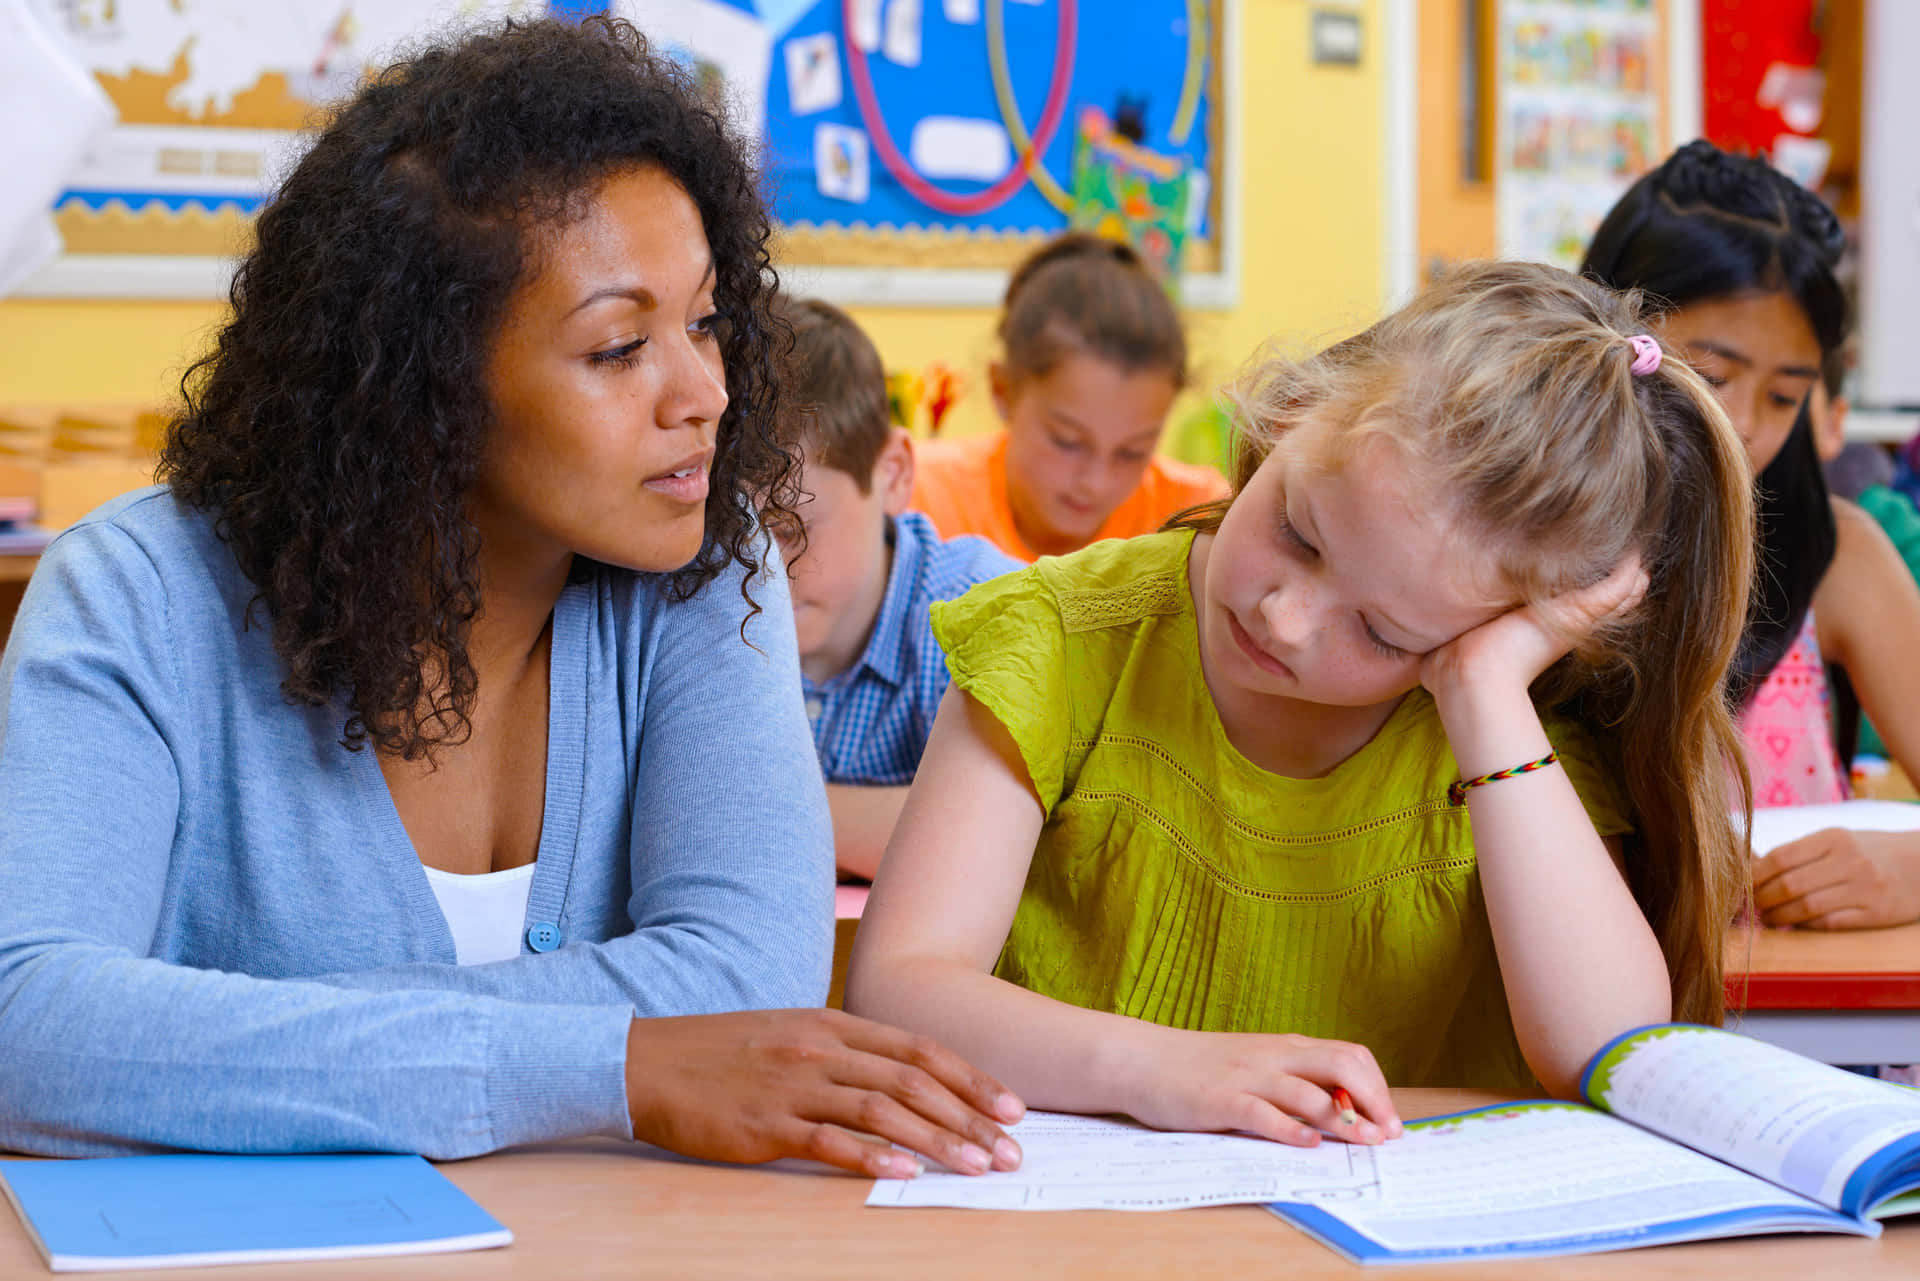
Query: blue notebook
[[193, 1211]]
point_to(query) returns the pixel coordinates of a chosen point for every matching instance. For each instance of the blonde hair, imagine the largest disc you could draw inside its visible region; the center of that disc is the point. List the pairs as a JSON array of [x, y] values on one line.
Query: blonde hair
[[1509, 387]]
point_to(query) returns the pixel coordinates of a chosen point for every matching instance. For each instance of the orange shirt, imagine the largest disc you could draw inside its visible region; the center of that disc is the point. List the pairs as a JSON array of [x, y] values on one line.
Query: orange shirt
[[962, 486]]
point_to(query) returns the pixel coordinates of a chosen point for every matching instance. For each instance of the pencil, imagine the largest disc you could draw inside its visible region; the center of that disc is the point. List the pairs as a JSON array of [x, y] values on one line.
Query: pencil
[[1344, 1101]]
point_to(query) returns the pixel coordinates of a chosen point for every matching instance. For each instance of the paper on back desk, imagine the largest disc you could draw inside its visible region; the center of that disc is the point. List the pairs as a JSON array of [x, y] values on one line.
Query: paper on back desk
[[1773, 828]]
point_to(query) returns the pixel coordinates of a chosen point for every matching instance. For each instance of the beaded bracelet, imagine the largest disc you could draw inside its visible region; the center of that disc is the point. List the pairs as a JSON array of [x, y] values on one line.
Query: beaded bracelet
[[1458, 789]]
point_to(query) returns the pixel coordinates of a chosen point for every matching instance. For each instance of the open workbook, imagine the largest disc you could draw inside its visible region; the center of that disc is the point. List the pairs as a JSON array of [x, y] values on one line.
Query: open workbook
[[1693, 1133]]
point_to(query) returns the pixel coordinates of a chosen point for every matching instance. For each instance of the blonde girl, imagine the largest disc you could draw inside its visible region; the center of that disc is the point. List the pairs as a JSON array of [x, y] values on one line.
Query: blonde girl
[[1407, 763]]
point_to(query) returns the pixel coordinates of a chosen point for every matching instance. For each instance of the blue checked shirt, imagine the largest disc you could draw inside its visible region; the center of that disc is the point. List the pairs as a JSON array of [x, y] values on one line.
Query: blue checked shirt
[[870, 722]]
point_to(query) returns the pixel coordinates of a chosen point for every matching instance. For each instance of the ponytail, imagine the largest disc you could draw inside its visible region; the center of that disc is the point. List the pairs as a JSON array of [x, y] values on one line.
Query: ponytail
[[1660, 692], [1084, 294]]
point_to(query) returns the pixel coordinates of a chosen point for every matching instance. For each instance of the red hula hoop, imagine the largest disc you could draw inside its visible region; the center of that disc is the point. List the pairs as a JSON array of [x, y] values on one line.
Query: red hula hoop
[[1015, 178]]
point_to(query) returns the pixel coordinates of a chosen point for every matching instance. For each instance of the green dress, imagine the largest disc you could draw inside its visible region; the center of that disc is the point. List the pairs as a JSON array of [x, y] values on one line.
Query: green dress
[[1176, 881]]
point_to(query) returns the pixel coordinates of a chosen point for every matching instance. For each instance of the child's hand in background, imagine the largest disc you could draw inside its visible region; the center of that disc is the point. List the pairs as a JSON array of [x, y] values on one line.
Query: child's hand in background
[[1840, 880], [1277, 1087], [1517, 646]]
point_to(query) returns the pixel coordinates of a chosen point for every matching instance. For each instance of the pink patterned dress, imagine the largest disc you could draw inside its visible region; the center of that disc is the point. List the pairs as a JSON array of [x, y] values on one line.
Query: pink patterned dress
[[1789, 731]]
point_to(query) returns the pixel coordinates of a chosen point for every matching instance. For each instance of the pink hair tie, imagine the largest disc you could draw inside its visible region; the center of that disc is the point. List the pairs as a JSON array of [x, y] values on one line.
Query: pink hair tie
[[1646, 355]]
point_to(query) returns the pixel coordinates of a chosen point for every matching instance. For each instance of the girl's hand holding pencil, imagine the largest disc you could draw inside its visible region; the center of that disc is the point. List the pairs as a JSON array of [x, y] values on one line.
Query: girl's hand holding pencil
[[1291, 1089]]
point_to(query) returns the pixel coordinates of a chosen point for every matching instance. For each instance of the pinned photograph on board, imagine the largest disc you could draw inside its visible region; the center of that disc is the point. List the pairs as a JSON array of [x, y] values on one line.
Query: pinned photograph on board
[[901, 43], [813, 73], [864, 27], [840, 162], [956, 147]]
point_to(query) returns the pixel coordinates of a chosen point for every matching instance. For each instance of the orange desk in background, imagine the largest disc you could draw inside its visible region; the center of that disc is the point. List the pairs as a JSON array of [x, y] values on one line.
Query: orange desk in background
[[64, 461], [849, 901], [1841, 996]]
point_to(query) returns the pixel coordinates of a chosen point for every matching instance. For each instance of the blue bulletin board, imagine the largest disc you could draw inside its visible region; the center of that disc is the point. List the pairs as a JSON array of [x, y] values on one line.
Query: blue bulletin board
[[915, 149]]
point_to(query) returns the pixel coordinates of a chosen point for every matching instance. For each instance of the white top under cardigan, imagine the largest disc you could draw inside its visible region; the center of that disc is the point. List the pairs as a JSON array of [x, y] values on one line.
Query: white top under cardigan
[[486, 911]]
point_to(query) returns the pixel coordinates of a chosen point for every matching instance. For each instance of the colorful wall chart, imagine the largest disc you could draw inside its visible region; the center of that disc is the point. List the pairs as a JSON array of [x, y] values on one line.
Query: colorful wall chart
[[1578, 118]]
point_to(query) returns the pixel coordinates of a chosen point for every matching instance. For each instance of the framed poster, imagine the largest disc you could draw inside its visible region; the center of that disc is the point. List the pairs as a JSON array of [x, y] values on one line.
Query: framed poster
[[1577, 118]]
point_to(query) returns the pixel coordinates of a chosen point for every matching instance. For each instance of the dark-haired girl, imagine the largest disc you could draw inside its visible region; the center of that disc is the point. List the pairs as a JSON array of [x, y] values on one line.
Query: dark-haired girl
[[1092, 355], [1741, 259], [422, 767]]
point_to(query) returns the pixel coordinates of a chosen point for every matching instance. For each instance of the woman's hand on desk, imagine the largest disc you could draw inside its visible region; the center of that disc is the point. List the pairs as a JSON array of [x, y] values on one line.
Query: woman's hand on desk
[[1840, 880], [818, 1084]]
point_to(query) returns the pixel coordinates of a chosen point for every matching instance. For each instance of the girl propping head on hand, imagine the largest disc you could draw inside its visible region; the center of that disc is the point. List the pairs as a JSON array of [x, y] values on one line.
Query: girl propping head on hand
[[423, 768], [1408, 763], [1092, 355], [1741, 260]]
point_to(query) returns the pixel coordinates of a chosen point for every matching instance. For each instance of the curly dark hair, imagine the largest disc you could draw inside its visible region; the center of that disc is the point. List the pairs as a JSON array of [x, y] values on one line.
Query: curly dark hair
[[336, 426]]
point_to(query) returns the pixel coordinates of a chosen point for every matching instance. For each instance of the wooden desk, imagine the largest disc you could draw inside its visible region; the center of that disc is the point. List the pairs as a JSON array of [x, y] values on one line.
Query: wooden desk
[[1842, 996], [600, 1208]]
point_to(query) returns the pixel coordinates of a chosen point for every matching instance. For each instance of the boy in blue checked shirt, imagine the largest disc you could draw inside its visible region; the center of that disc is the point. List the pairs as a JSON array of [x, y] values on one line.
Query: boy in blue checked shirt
[[871, 672]]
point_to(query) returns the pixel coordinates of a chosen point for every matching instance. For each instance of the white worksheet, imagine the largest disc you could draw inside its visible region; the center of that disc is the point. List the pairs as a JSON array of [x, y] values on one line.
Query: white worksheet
[[1092, 1163], [1783, 824]]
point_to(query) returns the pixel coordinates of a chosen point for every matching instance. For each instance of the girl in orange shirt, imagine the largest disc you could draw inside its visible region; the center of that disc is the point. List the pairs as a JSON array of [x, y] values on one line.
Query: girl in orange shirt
[[1092, 357]]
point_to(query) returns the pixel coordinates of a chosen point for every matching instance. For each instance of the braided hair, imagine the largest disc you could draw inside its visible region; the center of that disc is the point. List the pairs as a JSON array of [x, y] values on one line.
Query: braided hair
[[1708, 225]]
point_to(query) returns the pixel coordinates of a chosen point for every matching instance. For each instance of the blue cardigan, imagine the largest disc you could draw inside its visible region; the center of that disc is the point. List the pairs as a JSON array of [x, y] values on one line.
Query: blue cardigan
[[215, 933]]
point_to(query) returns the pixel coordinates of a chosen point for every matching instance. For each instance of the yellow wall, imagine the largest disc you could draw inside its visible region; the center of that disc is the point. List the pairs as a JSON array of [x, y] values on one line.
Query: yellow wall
[[67, 352], [1456, 216], [1311, 269]]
